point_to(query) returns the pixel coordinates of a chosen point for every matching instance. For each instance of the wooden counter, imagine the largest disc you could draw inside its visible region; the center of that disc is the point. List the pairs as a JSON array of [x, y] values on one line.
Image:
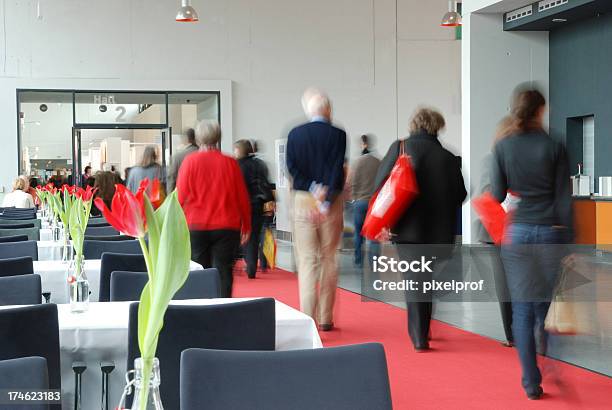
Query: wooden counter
[[593, 222]]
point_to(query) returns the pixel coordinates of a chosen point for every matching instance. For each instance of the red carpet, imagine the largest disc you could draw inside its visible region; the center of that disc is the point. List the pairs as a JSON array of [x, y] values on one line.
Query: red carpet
[[464, 371]]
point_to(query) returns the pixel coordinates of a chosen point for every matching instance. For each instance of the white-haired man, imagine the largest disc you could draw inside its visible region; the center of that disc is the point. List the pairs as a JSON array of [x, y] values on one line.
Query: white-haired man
[[315, 160]]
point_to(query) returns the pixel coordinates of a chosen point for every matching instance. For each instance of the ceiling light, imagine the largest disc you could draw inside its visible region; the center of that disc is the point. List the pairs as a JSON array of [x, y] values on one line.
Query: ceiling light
[[186, 13], [452, 18], [559, 20]]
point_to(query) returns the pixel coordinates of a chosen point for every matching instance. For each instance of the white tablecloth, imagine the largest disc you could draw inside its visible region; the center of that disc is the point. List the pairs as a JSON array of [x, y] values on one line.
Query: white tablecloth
[[54, 277], [101, 335], [45, 234], [49, 251]]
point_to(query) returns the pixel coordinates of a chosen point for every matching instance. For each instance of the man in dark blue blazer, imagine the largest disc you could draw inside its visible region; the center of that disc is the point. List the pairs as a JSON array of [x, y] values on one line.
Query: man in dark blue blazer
[[315, 160]]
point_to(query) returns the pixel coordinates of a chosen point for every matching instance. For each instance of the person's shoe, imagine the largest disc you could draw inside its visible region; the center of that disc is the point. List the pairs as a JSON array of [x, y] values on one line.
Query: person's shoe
[[422, 349], [536, 395], [326, 327], [508, 343]]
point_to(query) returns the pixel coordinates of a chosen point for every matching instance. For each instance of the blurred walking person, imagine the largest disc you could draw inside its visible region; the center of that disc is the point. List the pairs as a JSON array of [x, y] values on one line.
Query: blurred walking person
[[432, 218], [535, 168], [315, 161], [362, 177], [215, 199], [255, 174], [148, 168], [190, 146], [505, 128]]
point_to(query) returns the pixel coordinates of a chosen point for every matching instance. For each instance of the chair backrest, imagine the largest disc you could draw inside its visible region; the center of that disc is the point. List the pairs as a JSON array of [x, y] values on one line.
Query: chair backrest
[[340, 378], [201, 284], [16, 266], [95, 249], [16, 238], [249, 325], [16, 225], [97, 222], [20, 290], [36, 222], [111, 238], [111, 262], [32, 331], [101, 231], [33, 234], [25, 374], [19, 249]]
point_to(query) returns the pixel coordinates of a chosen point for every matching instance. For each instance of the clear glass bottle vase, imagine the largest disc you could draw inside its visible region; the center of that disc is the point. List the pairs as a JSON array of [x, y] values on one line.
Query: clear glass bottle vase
[[67, 251], [78, 285], [148, 399]]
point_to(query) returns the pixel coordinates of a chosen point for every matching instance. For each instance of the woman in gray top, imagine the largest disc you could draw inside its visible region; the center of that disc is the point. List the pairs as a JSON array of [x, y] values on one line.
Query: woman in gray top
[[148, 168]]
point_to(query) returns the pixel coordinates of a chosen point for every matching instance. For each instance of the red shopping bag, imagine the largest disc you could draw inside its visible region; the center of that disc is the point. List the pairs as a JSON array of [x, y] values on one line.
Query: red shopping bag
[[395, 196], [492, 215]]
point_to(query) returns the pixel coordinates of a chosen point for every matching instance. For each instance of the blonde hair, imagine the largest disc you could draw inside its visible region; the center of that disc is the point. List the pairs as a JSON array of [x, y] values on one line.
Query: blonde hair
[[149, 156], [428, 120], [208, 133], [506, 127], [20, 184]]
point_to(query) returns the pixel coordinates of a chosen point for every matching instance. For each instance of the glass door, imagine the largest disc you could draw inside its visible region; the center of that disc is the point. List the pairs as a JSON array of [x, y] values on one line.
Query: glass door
[[76, 157]]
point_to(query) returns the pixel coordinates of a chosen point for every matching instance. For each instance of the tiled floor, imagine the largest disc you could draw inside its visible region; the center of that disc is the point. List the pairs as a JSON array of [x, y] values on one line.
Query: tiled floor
[[593, 351]]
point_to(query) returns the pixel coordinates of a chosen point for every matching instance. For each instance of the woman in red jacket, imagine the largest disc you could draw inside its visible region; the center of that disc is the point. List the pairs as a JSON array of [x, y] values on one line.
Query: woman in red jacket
[[215, 199]]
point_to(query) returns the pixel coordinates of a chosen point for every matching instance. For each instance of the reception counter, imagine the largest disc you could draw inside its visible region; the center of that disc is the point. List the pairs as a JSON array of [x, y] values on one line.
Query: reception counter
[[593, 221]]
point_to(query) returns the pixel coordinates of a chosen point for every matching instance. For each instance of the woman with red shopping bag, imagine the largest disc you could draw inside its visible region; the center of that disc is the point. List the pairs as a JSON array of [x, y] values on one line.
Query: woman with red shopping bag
[[426, 218]]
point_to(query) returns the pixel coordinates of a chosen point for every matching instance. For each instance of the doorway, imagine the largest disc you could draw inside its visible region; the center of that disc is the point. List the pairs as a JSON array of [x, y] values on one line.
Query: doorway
[[60, 132]]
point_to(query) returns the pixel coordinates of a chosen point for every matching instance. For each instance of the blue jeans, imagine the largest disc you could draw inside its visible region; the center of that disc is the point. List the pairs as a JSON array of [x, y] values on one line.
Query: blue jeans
[[360, 209], [532, 258]]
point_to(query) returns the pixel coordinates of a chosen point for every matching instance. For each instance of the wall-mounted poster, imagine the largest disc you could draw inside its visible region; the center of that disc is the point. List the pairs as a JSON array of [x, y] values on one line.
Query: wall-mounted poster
[[282, 180]]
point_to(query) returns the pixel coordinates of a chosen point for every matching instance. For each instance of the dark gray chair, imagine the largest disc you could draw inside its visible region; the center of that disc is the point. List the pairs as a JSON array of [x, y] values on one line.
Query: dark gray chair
[[101, 231], [95, 249], [25, 374], [32, 331], [340, 378], [36, 222], [19, 249], [249, 325], [201, 284], [111, 238], [20, 290], [16, 225], [16, 266], [33, 234], [112, 262], [93, 222], [16, 238]]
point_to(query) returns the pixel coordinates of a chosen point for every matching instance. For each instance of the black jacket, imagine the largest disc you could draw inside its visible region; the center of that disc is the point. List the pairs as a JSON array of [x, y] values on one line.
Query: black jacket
[[255, 173], [432, 217]]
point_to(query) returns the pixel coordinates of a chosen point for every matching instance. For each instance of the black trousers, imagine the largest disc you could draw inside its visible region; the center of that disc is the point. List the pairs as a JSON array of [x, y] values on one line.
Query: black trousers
[[419, 307], [217, 249], [251, 248]]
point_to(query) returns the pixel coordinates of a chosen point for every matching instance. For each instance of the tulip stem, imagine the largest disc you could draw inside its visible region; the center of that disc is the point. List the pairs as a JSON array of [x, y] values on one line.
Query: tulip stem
[[148, 261]]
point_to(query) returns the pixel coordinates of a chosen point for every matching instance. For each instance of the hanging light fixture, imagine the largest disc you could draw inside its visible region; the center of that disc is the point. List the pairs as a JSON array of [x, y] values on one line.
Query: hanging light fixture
[[186, 13], [452, 18]]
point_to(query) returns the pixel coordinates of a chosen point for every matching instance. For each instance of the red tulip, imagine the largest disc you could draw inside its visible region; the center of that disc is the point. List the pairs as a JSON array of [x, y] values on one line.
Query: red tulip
[[127, 213], [155, 194], [85, 194]]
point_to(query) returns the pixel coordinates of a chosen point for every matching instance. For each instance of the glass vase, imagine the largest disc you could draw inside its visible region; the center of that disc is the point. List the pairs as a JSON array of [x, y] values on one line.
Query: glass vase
[[67, 251], [56, 230], [78, 285], [148, 399]]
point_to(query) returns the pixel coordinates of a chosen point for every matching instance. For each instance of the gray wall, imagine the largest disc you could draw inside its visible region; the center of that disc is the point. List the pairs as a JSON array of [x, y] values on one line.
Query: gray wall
[[581, 85]]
